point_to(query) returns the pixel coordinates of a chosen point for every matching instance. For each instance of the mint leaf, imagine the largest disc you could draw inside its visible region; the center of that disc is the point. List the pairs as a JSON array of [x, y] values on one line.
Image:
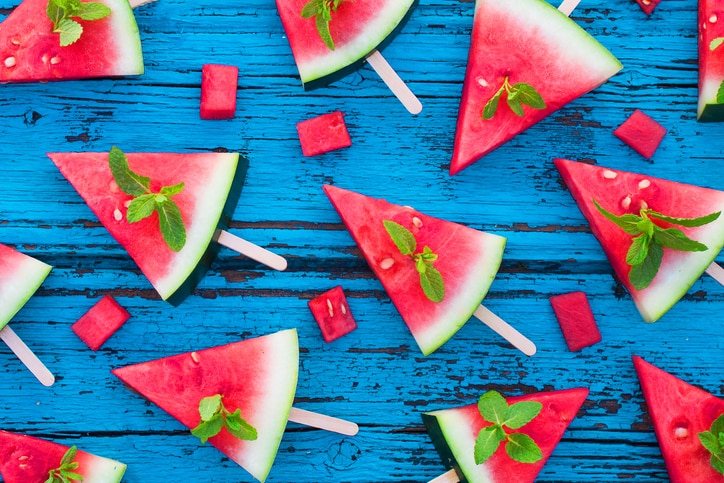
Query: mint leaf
[[515, 105], [310, 9], [209, 406], [64, 472], [209, 428], [517, 95], [710, 442], [323, 29], [69, 456], [629, 223], [686, 222], [401, 236], [69, 30], [62, 12], [214, 417], [676, 240], [487, 443], [321, 11], [720, 94], [642, 275], [93, 11], [128, 181], [526, 94], [493, 407], [171, 224], [491, 107], [238, 427], [54, 11], [521, 448], [717, 427], [717, 462], [645, 225], [521, 413], [639, 249], [141, 207], [432, 283], [172, 190], [716, 43]]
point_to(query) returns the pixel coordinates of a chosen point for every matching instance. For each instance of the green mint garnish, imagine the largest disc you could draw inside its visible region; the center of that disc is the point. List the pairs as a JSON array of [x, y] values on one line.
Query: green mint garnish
[[516, 96], [430, 278], [215, 416], [713, 441], [146, 202], [495, 409], [65, 473], [321, 11], [649, 240], [62, 12]]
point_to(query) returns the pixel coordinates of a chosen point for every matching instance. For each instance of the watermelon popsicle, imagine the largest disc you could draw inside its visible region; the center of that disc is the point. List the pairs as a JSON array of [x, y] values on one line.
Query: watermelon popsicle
[[169, 211], [331, 38], [256, 378], [436, 272], [20, 276]]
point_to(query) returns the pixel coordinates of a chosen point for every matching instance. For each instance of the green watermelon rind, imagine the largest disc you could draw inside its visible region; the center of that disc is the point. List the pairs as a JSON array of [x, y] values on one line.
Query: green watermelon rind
[[32, 275], [346, 59]]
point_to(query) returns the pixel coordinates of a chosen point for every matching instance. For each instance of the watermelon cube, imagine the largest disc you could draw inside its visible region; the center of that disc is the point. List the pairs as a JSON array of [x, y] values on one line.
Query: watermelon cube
[[331, 311], [648, 6], [218, 91], [100, 322], [642, 133], [576, 319], [324, 133]]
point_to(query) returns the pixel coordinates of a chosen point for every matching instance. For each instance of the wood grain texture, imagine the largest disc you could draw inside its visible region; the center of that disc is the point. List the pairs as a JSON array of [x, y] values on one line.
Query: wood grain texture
[[376, 375]]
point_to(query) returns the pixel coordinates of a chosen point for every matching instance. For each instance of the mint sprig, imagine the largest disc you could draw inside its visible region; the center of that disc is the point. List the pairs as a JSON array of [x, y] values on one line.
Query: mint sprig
[[495, 409], [65, 472], [321, 11], [713, 441], [431, 279], [146, 202], [214, 417], [62, 12], [516, 95], [649, 240]]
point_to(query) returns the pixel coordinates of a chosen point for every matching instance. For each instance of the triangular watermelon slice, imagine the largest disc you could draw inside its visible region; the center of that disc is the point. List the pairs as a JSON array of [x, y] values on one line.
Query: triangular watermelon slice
[[357, 28], [524, 41], [212, 186], [711, 62], [679, 411], [467, 259], [20, 276], [258, 376], [30, 51], [26, 459], [454, 431], [621, 192]]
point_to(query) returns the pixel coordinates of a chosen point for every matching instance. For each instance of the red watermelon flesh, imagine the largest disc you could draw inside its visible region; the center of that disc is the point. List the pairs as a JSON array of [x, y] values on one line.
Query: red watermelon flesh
[[711, 61], [218, 91], [679, 411], [528, 41], [321, 134], [30, 51], [258, 376], [331, 312], [642, 133], [575, 317], [212, 186], [20, 276], [453, 432], [26, 459], [622, 192], [100, 322], [648, 6], [468, 261], [357, 28]]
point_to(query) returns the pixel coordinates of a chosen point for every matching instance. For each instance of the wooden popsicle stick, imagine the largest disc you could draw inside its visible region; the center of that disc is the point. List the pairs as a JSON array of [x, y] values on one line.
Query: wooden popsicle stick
[[138, 3], [27, 356], [716, 271], [255, 252], [322, 421], [507, 331], [568, 6], [447, 477], [393, 81]]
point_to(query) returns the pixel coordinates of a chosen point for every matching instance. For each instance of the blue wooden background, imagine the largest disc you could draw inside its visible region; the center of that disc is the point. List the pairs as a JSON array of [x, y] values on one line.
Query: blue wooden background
[[374, 376]]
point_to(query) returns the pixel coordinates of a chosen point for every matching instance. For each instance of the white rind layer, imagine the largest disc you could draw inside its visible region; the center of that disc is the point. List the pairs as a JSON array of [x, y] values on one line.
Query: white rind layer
[[97, 469], [130, 53]]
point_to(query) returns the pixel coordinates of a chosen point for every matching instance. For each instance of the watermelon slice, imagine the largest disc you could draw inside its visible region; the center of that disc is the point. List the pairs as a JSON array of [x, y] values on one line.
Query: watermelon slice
[[622, 192], [324, 133], [26, 459], [576, 319], [212, 186], [679, 411], [641, 132], [218, 91], [30, 51], [454, 431], [357, 29], [331, 312], [530, 42], [100, 322], [467, 259], [711, 61], [20, 276], [258, 376]]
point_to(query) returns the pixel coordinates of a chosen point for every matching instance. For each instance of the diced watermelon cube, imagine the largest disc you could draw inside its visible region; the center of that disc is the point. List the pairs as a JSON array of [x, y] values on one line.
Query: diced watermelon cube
[[218, 91], [642, 133], [648, 6], [100, 322], [576, 319], [332, 313], [324, 133]]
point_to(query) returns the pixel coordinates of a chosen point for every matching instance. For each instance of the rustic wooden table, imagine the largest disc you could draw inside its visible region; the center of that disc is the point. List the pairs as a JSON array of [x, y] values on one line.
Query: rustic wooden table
[[376, 375]]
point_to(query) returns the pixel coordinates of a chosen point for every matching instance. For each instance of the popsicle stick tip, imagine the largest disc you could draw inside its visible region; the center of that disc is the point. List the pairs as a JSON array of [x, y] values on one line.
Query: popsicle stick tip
[[138, 3], [27, 356], [568, 6], [505, 330], [394, 82], [447, 477], [716, 272]]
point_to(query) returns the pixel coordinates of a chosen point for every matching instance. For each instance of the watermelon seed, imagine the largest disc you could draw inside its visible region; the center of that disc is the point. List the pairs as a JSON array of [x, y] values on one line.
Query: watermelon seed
[[44, 58], [117, 215], [608, 174], [24, 458], [195, 357], [626, 202], [681, 431], [330, 309], [644, 205], [482, 82], [386, 263], [55, 60], [713, 18], [644, 184], [10, 62], [646, 2], [15, 41], [417, 222], [113, 187], [344, 309]]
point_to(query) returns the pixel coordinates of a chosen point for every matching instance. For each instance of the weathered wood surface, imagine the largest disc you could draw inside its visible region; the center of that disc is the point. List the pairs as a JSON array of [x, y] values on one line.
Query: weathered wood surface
[[375, 376]]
